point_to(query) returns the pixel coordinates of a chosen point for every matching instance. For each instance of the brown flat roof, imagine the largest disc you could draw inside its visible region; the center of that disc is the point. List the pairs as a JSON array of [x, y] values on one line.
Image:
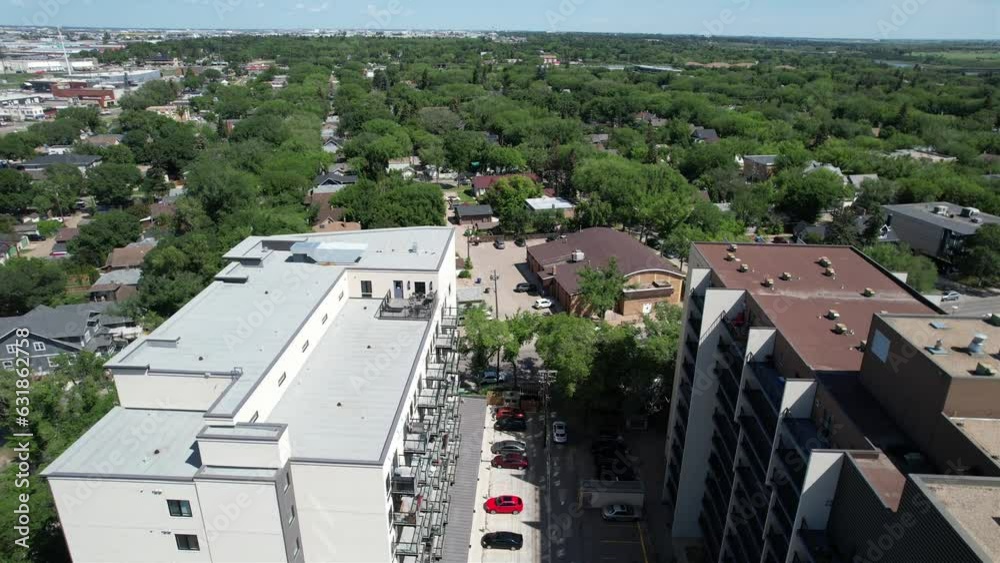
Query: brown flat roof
[[599, 245], [955, 334], [885, 478], [974, 504], [797, 307], [985, 432]]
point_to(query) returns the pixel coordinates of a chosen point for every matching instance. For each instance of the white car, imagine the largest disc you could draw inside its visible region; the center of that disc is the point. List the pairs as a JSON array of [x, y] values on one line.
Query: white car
[[620, 513], [542, 303], [559, 434], [951, 296]]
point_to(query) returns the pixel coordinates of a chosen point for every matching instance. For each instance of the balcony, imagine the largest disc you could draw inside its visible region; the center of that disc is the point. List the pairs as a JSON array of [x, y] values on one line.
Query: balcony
[[721, 469], [753, 544], [710, 512], [728, 433], [432, 397], [408, 479], [788, 497], [728, 392], [450, 319], [688, 370], [406, 511], [771, 382], [445, 340], [736, 547], [413, 308], [761, 443], [758, 468], [750, 482], [819, 547], [777, 541], [692, 346], [766, 414], [685, 390], [793, 464], [805, 435], [711, 535], [409, 542]]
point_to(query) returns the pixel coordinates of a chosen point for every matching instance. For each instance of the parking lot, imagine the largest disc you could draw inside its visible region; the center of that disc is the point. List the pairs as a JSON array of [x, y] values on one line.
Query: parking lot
[[511, 267], [554, 527]]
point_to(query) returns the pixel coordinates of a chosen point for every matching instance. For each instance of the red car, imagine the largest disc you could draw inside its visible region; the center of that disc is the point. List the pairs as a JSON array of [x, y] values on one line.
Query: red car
[[506, 504], [511, 461], [509, 412]]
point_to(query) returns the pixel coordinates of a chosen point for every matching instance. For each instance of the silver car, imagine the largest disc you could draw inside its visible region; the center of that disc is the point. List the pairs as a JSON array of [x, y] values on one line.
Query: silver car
[[620, 513], [508, 447], [559, 433]]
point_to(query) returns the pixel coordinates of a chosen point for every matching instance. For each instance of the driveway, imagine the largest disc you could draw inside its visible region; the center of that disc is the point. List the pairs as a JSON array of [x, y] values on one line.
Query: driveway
[[42, 248], [511, 267]]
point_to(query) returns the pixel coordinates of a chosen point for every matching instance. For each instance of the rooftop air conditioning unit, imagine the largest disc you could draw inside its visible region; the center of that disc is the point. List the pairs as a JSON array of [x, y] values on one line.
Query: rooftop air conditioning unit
[[786, 276], [768, 282], [744, 267], [577, 256], [730, 257], [824, 261], [840, 328], [976, 346], [829, 272], [832, 314], [868, 292], [969, 212], [940, 209]]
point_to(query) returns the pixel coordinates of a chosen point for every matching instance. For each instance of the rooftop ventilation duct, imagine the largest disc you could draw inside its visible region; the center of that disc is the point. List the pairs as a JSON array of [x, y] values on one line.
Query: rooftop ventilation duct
[[786, 276], [938, 348], [744, 267], [824, 261], [978, 341], [730, 257], [940, 209], [840, 328], [969, 212], [832, 314], [868, 292], [768, 282], [829, 272], [993, 319], [732, 248], [577, 256], [984, 370]]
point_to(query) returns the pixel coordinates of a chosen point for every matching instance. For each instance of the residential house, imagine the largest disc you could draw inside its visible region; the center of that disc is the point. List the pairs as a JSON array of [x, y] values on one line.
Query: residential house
[[759, 167], [116, 285], [333, 145], [926, 154], [649, 278], [15, 243], [469, 214], [549, 59], [599, 140], [61, 247], [130, 256], [856, 181], [332, 225], [703, 135], [480, 184], [651, 119], [29, 230], [335, 179], [58, 149], [67, 329], [104, 140], [814, 233], [83, 162], [936, 229], [407, 166], [546, 203]]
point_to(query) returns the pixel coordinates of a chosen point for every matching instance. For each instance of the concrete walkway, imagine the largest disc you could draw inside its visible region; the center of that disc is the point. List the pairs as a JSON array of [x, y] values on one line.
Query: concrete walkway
[[463, 492]]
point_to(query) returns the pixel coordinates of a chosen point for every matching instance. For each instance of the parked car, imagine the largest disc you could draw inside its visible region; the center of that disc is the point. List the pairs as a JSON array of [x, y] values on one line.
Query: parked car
[[523, 287], [499, 244], [508, 447], [492, 377], [951, 296], [620, 513], [509, 412], [504, 504], [510, 461], [542, 303], [519, 242], [502, 540], [559, 433], [511, 425]]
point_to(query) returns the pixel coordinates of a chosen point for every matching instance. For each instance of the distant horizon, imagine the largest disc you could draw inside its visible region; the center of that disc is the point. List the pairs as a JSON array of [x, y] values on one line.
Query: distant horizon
[[847, 20]]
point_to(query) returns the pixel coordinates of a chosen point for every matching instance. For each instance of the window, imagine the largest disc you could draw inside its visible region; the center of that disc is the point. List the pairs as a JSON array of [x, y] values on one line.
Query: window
[[179, 508], [298, 547], [187, 542], [326, 317], [291, 517], [282, 378], [7, 364], [431, 284], [305, 346], [341, 296], [253, 419], [880, 346], [52, 362], [288, 479], [39, 346], [366, 288], [11, 349]]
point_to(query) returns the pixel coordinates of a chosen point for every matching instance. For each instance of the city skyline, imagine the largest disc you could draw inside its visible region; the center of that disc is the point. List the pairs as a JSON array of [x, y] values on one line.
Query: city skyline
[[880, 19]]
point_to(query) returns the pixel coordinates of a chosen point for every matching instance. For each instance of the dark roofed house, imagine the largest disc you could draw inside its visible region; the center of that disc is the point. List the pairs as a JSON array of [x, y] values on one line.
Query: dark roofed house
[[67, 329], [130, 256], [473, 214], [482, 183], [759, 167], [107, 140], [333, 180], [116, 285], [649, 278], [936, 229], [83, 162], [702, 135], [650, 119]]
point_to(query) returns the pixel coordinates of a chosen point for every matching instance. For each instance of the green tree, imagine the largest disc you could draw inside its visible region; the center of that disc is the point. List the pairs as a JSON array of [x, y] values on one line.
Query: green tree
[[921, 272], [601, 288], [979, 258], [485, 338], [803, 196], [26, 283], [567, 344], [15, 191], [107, 231], [114, 184]]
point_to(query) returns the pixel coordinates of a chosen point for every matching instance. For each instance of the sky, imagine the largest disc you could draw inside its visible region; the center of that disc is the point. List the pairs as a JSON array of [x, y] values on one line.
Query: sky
[[863, 19]]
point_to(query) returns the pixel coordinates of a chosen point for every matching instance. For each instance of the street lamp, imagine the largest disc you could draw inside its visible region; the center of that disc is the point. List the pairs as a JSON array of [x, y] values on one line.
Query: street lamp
[[495, 277]]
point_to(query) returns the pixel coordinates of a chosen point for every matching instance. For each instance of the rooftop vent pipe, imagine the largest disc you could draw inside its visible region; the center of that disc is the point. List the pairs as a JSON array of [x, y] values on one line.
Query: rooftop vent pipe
[[824, 261], [743, 267], [976, 346], [984, 370], [840, 328], [768, 282], [993, 319], [786, 276], [730, 257], [829, 272], [868, 292], [832, 314]]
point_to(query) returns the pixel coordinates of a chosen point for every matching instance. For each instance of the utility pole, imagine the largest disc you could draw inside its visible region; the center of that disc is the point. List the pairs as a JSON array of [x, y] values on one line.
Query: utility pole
[[496, 300]]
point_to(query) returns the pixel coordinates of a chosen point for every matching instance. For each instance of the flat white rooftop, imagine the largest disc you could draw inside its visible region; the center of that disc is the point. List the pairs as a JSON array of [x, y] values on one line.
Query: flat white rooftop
[[135, 443], [239, 325], [344, 402]]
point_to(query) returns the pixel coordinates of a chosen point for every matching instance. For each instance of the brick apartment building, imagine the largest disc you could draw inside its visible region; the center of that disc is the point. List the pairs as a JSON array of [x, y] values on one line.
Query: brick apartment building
[[827, 412]]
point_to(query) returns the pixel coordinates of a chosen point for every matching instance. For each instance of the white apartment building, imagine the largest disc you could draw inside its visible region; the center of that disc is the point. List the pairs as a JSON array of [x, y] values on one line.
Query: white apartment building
[[299, 409]]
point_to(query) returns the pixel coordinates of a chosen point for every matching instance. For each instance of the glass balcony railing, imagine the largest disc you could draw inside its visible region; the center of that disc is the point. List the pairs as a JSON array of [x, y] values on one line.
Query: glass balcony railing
[[788, 497], [762, 409], [759, 441], [756, 465], [770, 381]]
